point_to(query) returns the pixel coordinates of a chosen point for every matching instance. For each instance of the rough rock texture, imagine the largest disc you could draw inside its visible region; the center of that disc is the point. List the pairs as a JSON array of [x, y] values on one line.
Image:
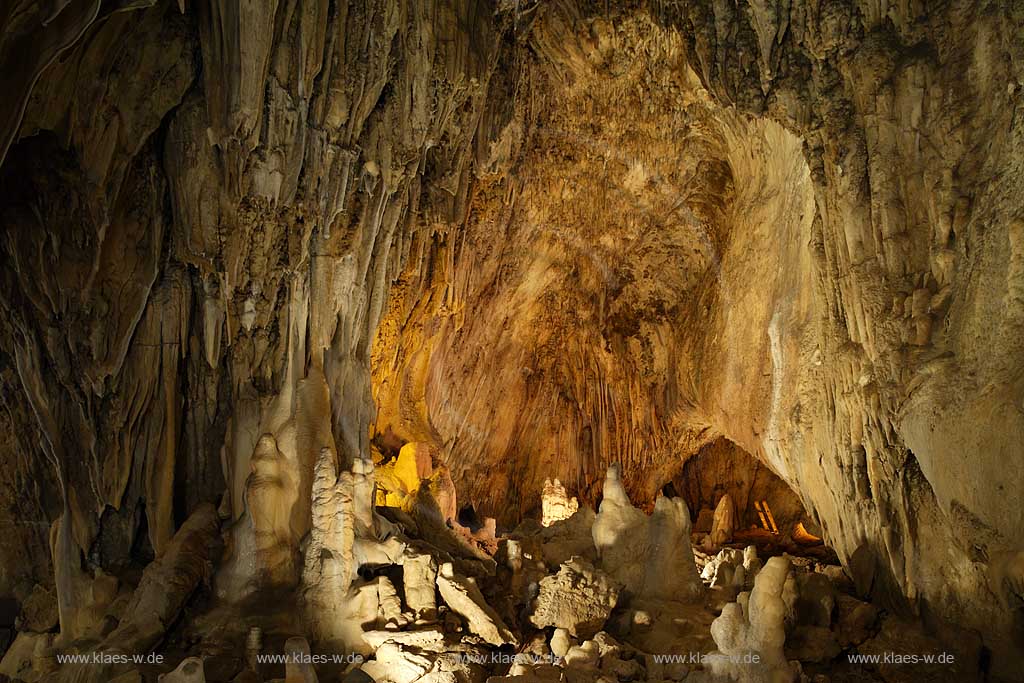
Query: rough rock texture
[[722, 468], [463, 596], [756, 623], [539, 238], [650, 556], [723, 523], [579, 599], [556, 504], [189, 671], [167, 583]]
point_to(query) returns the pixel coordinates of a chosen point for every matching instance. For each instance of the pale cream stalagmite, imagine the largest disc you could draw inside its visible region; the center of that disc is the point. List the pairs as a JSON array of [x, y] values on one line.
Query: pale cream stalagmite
[[345, 533], [755, 625], [419, 573], [651, 556], [555, 503]]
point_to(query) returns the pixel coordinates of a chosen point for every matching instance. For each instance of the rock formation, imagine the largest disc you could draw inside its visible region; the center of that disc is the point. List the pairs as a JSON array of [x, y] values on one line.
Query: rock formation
[[579, 599], [723, 523], [649, 556], [755, 624], [268, 265], [464, 597], [189, 671], [556, 504]]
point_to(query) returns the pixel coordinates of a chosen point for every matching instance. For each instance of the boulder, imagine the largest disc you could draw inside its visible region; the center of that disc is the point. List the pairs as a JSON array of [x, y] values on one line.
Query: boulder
[[189, 671], [579, 598], [855, 620], [815, 600], [298, 668], [560, 642], [396, 663], [463, 596], [39, 611]]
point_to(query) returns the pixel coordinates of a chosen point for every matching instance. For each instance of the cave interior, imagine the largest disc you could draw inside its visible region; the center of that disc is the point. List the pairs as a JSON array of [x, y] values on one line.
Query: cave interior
[[511, 341]]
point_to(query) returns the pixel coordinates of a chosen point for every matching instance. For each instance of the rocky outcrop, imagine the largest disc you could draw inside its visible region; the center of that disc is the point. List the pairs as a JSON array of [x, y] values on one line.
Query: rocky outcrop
[[556, 504], [579, 599]]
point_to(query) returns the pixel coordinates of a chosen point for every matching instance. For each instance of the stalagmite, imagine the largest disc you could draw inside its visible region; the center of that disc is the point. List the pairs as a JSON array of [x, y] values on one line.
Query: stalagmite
[[649, 556], [620, 534], [262, 550], [419, 573], [556, 504], [724, 522], [298, 666], [755, 624]]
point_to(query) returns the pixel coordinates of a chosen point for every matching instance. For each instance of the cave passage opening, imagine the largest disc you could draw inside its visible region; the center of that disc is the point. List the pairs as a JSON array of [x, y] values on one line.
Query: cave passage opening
[[723, 484]]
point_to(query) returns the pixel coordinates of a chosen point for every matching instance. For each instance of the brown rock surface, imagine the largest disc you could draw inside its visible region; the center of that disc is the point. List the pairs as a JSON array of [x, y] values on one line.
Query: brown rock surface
[[537, 239]]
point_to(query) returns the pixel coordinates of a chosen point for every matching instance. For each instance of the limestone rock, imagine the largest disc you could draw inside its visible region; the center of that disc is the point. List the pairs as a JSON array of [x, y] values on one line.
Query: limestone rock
[[189, 671], [399, 480], [560, 641], [17, 660], [724, 522], [39, 611], [167, 583], [816, 600], [648, 556], [755, 623], [586, 655], [671, 573], [855, 620], [419, 573], [812, 644], [570, 537], [579, 598], [464, 597], [722, 567], [390, 605], [556, 504], [397, 664], [426, 639], [262, 551], [298, 667]]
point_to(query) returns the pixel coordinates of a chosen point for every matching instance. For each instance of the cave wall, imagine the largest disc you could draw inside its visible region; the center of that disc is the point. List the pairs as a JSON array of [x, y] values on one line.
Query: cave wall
[[560, 235], [850, 314], [202, 209]]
